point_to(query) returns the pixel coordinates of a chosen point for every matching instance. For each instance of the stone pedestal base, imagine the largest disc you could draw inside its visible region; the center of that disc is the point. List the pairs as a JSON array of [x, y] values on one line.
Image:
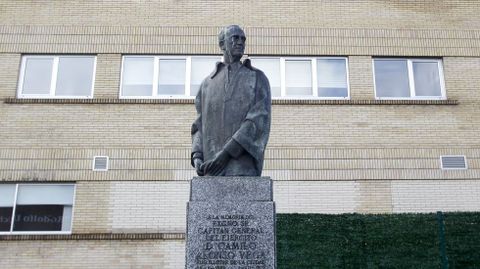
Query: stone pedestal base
[[230, 223]]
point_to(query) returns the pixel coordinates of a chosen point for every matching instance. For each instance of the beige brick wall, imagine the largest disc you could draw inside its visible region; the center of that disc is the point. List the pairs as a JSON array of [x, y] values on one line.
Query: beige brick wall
[[9, 70], [160, 207], [328, 197], [281, 163], [146, 207], [124, 254], [375, 196], [353, 27], [324, 158], [137, 125], [431, 196], [107, 77], [261, 40], [93, 208], [451, 14], [130, 207], [361, 77], [396, 196]]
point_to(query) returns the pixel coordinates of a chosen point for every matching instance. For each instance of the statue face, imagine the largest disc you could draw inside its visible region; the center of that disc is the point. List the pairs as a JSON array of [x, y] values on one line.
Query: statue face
[[235, 42]]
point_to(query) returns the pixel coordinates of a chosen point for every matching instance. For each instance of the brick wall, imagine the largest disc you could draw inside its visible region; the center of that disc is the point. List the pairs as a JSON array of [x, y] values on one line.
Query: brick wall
[[360, 155], [118, 254], [447, 14], [160, 206]]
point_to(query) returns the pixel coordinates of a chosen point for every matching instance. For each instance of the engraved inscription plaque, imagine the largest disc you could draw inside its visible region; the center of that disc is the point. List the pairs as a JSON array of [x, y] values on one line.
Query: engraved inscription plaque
[[234, 232]]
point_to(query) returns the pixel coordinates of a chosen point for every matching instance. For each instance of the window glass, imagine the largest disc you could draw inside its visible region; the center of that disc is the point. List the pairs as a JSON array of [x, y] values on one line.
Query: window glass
[[427, 79], [57, 76], [292, 77], [45, 194], [298, 78], [201, 68], [37, 208], [137, 76], [171, 77], [5, 218], [38, 218], [75, 76], [67, 218], [332, 78], [43, 208], [7, 196], [271, 68], [391, 78], [37, 76]]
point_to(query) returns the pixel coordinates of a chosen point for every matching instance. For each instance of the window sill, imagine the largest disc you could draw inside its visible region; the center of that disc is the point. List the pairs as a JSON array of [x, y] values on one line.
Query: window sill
[[97, 101], [102, 236], [191, 101]]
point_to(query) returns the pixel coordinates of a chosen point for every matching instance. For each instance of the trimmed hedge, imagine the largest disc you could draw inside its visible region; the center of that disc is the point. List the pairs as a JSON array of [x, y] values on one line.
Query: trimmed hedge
[[377, 241]]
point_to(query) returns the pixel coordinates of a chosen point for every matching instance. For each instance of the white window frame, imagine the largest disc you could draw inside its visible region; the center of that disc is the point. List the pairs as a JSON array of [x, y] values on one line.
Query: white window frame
[[411, 80], [53, 82], [11, 232], [313, 61], [156, 63]]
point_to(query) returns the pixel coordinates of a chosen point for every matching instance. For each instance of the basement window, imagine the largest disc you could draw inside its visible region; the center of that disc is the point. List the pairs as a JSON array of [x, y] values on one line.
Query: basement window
[[68, 76], [397, 78], [36, 208]]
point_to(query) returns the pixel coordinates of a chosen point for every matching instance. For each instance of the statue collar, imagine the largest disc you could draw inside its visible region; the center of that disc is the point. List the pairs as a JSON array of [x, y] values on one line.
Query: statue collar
[[219, 65]]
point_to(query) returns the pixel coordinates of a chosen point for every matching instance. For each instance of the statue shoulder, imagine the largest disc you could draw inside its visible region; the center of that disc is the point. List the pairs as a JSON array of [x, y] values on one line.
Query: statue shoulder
[[248, 64], [218, 67], [208, 79]]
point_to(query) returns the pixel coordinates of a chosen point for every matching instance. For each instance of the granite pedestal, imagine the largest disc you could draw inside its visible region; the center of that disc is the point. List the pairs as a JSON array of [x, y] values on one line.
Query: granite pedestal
[[230, 223]]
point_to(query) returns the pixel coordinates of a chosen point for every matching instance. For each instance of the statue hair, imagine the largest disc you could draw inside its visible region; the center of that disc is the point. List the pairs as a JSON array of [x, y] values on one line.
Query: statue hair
[[221, 34]]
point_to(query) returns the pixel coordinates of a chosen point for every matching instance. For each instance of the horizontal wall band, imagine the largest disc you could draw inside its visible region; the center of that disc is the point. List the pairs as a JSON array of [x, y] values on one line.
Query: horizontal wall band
[[102, 236], [302, 163], [261, 40], [191, 101]]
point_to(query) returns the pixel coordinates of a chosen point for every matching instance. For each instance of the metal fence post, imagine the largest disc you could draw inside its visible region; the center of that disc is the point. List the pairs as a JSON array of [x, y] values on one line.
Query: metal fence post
[[441, 235]]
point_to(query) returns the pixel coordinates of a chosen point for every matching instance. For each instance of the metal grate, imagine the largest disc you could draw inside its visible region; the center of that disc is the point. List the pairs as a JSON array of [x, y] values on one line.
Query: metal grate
[[100, 163], [453, 162]]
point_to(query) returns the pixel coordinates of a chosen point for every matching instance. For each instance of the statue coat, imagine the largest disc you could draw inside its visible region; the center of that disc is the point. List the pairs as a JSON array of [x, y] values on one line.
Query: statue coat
[[233, 114]]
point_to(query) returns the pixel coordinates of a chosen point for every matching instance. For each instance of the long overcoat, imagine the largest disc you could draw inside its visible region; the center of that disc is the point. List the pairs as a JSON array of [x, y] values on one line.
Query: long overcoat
[[233, 114]]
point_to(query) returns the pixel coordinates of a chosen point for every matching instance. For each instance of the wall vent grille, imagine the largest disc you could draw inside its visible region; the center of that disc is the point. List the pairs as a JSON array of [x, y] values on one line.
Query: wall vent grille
[[100, 163], [453, 162]]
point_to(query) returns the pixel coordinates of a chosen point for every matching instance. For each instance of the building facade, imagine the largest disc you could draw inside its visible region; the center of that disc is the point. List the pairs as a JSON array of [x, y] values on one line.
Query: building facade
[[376, 109]]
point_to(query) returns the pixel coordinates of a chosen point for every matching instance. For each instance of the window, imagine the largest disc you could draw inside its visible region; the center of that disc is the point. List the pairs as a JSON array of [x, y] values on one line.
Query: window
[[299, 78], [201, 68], [164, 76], [66, 76], [37, 208], [408, 79], [181, 76], [271, 68]]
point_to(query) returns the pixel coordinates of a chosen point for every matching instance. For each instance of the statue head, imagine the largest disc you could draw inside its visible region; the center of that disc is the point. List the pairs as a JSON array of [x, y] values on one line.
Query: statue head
[[231, 40]]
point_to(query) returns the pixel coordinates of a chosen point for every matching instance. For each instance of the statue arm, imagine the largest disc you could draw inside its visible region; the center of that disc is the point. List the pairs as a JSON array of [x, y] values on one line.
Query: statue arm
[[252, 136], [196, 157]]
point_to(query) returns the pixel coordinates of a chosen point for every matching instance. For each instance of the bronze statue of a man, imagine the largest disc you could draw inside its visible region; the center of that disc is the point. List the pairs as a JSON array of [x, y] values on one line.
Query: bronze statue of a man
[[233, 107]]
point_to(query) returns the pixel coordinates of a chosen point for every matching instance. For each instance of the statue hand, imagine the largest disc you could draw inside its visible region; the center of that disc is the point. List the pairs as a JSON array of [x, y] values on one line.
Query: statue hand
[[199, 166], [216, 166]]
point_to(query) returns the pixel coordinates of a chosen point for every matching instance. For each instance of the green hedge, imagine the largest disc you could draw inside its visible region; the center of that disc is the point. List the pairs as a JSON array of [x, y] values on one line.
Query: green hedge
[[377, 241]]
